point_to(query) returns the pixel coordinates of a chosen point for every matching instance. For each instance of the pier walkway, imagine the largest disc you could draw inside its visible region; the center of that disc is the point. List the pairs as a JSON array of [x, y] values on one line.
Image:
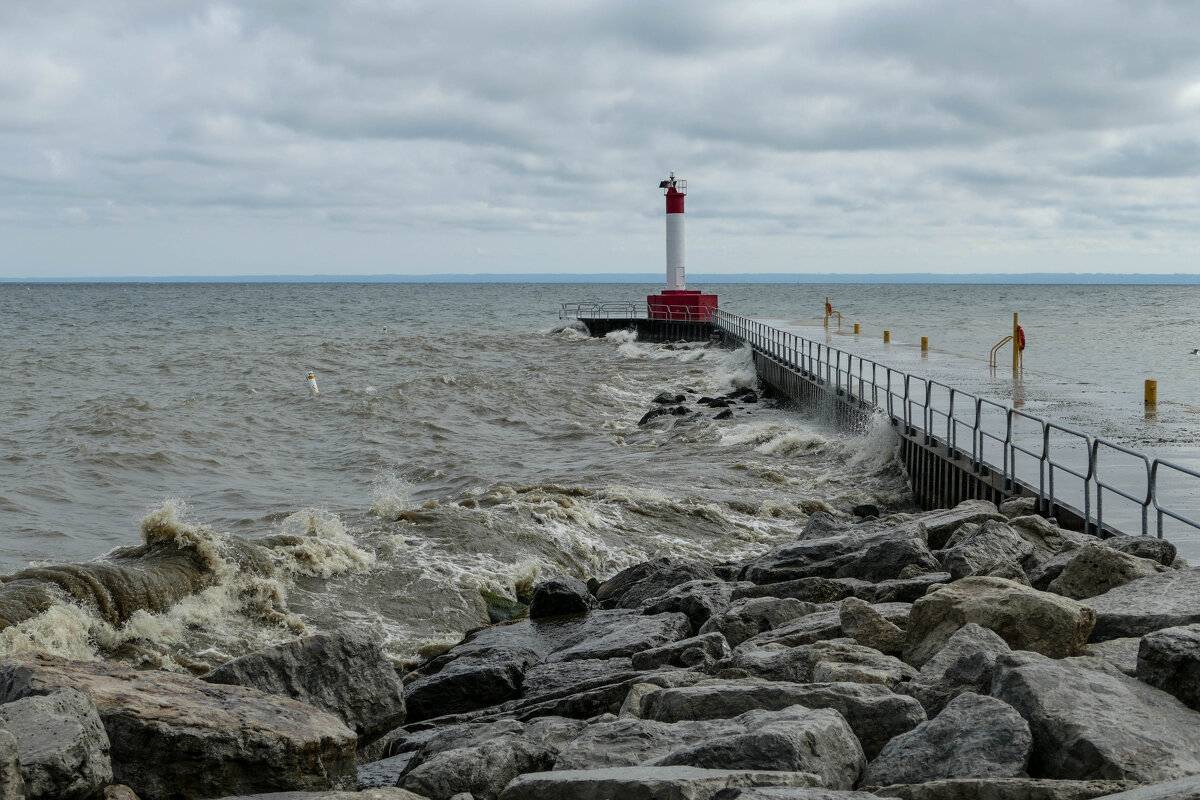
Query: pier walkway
[[955, 444]]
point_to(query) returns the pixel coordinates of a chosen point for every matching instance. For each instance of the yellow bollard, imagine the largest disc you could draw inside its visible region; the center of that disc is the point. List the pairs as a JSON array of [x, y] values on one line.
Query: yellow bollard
[[925, 343], [887, 336], [856, 327], [1151, 393]]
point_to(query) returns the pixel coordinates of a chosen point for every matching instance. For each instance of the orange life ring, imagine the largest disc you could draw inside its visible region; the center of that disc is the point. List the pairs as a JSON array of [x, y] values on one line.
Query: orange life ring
[[828, 308], [1020, 338]]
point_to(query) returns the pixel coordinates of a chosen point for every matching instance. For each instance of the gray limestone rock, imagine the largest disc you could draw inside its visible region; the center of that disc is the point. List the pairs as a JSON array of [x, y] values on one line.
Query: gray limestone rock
[[823, 624], [794, 793], [1148, 604], [1025, 618], [1120, 653], [1019, 506], [12, 785], [973, 737], [469, 679], [62, 745], [865, 625], [345, 673], [562, 678], [1160, 551], [820, 662], [1094, 569], [843, 555], [698, 651], [1088, 723], [561, 595], [752, 616], [378, 793], [483, 769], [699, 600], [807, 590], [900, 590], [1002, 789], [984, 548], [646, 783], [630, 634], [168, 730], [629, 742], [937, 526], [634, 586], [965, 664], [1169, 659], [875, 713], [1179, 789], [1047, 538], [889, 559]]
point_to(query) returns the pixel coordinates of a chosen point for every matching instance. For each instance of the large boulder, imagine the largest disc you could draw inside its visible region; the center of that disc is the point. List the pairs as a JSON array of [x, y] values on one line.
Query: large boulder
[[826, 661], [623, 634], [1025, 618], [980, 549], [867, 553], [1170, 660], [1003, 789], [1089, 723], [345, 673], [1148, 604], [875, 713], [475, 678], [62, 744], [169, 731], [936, 527], [794, 740], [1094, 569], [699, 600], [646, 783], [868, 627], [823, 624], [697, 651], [630, 741], [1160, 551], [12, 785], [752, 616], [634, 586], [965, 664], [1179, 789], [973, 737], [561, 595], [806, 590]]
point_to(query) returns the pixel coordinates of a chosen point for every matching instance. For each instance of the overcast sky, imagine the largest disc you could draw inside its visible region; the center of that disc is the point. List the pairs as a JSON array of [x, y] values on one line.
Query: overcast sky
[[140, 137]]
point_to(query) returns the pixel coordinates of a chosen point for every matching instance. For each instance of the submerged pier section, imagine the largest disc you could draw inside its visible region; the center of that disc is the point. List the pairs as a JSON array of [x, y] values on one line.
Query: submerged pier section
[[955, 446]]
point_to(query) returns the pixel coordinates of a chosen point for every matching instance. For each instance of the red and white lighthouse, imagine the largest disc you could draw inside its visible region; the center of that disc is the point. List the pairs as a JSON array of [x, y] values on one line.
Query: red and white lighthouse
[[676, 302]]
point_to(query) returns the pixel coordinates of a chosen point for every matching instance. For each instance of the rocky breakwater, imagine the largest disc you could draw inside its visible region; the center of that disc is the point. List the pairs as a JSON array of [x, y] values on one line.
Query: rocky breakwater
[[980, 653]]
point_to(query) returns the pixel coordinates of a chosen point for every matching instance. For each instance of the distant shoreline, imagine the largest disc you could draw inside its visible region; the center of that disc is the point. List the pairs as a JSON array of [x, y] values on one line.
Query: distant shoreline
[[1006, 279]]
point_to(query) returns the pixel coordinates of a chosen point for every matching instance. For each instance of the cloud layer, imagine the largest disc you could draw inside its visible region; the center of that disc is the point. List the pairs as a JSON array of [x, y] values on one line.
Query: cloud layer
[[418, 137]]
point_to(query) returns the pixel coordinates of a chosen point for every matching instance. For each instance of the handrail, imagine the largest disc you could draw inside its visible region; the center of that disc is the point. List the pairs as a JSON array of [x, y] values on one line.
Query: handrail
[[996, 350], [999, 435], [631, 309]]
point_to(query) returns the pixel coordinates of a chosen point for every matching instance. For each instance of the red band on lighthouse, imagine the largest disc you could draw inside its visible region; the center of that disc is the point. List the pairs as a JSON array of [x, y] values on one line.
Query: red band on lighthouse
[[674, 201]]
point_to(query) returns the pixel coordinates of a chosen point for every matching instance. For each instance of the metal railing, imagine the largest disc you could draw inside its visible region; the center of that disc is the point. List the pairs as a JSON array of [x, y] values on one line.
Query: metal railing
[[1027, 451], [632, 309]]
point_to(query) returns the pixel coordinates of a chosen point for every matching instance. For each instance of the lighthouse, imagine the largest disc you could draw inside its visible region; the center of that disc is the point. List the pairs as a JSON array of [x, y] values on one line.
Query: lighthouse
[[677, 302]]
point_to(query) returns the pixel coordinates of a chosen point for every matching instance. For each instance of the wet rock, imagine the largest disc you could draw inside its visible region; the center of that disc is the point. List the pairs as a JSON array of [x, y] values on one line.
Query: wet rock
[[806, 590], [983, 548], [1179, 789], [726, 414], [750, 617], [384, 772], [1148, 604], [1170, 660], [821, 625], [62, 745], [828, 661], [1025, 618], [631, 741], [619, 634], [168, 730], [694, 652], [889, 559], [474, 678], [561, 678], [874, 713], [865, 510], [1088, 723], [680, 411], [12, 785], [653, 413], [344, 673], [868, 627], [867, 553], [118, 791], [795, 740], [1094, 569], [634, 586], [821, 524], [973, 737], [561, 595], [1003, 789], [606, 698], [965, 664], [699, 600], [1157, 550], [668, 398], [793, 794], [646, 783]]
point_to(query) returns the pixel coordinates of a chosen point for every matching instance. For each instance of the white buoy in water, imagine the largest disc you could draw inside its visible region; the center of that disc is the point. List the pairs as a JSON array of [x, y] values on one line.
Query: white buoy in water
[[312, 382]]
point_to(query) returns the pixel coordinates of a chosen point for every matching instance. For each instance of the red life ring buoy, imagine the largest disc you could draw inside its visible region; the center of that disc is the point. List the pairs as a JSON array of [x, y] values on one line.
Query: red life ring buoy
[[828, 308], [1020, 338]]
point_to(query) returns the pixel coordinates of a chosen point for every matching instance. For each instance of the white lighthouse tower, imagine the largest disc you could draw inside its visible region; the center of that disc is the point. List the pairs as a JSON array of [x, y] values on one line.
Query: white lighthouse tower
[[677, 302], [675, 190]]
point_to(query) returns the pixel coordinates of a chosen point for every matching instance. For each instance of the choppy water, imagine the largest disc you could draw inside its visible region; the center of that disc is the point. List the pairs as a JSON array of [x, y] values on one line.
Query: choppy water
[[462, 440]]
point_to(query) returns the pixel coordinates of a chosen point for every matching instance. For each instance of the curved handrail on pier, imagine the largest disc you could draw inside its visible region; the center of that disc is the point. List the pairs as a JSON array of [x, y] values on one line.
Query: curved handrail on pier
[[631, 309], [994, 435]]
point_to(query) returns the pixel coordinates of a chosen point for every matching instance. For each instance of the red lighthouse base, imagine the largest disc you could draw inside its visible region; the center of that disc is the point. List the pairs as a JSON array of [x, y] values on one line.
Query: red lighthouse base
[[685, 305]]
